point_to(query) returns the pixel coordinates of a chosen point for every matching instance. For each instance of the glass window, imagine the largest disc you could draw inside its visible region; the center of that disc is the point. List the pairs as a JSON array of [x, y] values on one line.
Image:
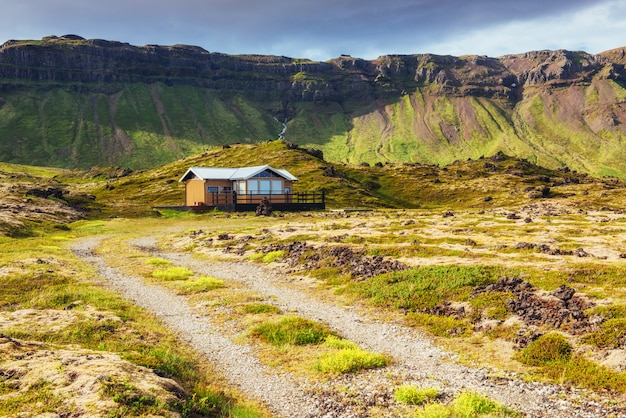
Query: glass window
[[264, 186], [265, 173], [253, 186], [277, 187], [211, 189], [241, 186]]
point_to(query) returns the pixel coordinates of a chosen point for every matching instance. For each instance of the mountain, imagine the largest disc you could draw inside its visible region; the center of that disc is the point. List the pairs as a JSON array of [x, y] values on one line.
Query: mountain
[[71, 102]]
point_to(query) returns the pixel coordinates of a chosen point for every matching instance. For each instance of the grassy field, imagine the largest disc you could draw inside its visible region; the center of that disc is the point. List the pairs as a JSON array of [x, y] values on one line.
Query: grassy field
[[455, 231]]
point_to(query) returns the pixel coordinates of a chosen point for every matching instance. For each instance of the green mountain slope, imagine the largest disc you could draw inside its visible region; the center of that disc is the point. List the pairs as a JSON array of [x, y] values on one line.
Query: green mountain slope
[[70, 102]]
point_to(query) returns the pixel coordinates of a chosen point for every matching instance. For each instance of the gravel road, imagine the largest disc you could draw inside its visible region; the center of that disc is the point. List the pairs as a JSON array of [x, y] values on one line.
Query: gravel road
[[416, 359]]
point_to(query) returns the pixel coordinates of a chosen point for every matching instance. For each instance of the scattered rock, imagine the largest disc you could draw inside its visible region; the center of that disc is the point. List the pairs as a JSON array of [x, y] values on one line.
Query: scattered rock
[[560, 309]]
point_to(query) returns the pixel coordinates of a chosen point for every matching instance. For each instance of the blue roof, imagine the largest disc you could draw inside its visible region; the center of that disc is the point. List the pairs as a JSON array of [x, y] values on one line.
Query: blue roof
[[242, 173]]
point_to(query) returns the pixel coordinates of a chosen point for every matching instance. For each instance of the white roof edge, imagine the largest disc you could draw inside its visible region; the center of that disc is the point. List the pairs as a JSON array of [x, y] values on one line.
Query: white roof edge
[[241, 173]]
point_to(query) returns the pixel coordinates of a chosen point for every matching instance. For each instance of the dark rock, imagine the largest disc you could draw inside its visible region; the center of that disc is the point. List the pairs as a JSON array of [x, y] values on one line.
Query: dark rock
[[46, 193], [315, 153], [564, 292], [264, 208], [562, 310]]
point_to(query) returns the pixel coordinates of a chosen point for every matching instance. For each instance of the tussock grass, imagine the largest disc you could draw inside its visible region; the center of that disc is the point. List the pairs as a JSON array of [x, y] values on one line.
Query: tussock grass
[[413, 395], [158, 262], [350, 360], [472, 404], [199, 285], [260, 308], [172, 273], [333, 341], [347, 357], [291, 330]]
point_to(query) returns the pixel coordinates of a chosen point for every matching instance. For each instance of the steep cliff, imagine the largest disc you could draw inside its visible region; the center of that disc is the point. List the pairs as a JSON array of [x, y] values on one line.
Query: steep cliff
[[72, 102]]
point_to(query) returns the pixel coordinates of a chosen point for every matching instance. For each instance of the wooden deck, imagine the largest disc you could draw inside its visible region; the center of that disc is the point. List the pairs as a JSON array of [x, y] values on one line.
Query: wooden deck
[[228, 202]]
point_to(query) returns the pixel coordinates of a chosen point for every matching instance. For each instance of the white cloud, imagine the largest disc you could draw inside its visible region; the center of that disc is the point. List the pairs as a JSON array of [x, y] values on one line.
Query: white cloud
[[593, 30]]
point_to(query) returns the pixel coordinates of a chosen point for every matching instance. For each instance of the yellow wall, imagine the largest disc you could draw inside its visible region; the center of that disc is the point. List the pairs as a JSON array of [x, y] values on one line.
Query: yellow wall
[[194, 192]]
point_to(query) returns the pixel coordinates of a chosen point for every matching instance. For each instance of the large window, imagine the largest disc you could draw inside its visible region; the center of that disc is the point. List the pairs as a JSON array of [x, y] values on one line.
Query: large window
[[277, 187], [253, 187], [264, 187]]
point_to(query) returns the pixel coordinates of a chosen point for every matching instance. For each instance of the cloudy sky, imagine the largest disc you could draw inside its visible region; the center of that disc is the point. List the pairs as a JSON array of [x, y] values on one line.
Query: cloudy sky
[[324, 29]]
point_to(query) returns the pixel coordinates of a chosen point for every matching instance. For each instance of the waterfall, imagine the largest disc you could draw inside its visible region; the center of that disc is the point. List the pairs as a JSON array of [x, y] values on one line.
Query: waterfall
[[281, 135]]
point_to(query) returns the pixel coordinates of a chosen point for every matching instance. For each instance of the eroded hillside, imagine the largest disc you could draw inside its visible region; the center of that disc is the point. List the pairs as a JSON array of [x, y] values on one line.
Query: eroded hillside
[[71, 102]]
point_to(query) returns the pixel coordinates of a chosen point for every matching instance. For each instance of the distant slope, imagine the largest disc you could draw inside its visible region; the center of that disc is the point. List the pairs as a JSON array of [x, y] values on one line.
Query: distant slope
[[487, 183], [35, 198], [70, 102]]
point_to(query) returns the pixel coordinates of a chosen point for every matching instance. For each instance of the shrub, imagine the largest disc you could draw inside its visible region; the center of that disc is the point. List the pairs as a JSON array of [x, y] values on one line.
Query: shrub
[[413, 395], [548, 348], [172, 273], [611, 334], [350, 360], [292, 330]]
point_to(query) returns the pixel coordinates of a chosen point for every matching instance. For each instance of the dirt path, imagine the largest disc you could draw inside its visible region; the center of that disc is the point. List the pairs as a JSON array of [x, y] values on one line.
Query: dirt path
[[416, 359]]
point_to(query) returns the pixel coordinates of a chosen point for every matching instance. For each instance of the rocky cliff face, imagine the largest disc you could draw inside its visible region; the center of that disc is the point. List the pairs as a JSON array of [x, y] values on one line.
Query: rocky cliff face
[[76, 60], [418, 108]]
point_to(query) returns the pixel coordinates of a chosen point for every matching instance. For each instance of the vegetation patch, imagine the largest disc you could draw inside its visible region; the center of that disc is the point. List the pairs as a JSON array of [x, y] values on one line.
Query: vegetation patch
[[37, 399], [552, 353], [291, 330], [441, 326], [421, 289], [349, 360], [172, 273], [202, 284], [549, 348], [473, 404], [131, 401], [413, 395], [492, 305], [158, 262], [260, 308]]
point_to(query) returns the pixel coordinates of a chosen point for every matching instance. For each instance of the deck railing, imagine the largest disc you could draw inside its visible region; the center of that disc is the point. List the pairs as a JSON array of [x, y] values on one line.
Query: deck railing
[[215, 199]]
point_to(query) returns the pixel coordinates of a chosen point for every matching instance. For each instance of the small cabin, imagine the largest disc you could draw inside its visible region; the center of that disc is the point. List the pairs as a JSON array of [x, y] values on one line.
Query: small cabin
[[243, 188]]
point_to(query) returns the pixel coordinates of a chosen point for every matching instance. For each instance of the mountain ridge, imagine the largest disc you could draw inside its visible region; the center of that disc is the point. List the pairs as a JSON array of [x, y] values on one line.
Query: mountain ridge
[[71, 102]]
